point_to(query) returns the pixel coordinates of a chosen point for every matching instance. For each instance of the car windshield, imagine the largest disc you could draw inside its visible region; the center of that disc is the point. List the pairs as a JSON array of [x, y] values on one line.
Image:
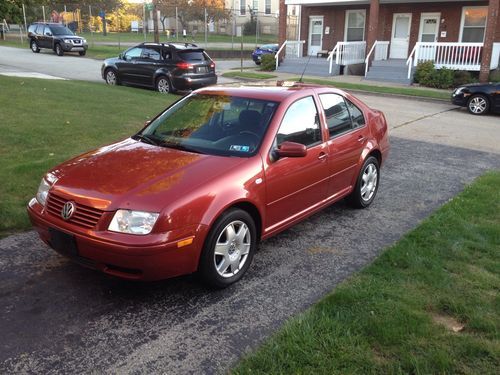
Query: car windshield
[[61, 30], [192, 55], [212, 124]]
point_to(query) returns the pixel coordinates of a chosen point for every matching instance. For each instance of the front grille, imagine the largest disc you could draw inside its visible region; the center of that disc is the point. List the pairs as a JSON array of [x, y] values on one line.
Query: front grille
[[77, 41], [84, 216]]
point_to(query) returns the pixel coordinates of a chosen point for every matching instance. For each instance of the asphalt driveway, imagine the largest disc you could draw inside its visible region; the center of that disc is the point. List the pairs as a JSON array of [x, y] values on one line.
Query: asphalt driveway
[[58, 317]]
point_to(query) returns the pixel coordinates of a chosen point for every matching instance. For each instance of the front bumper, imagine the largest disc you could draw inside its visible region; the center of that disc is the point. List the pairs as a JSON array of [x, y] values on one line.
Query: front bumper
[[69, 47], [193, 83], [146, 258], [459, 99]]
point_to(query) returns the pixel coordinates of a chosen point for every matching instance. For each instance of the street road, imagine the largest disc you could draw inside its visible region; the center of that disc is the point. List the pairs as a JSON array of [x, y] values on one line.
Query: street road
[[59, 317], [71, 66]]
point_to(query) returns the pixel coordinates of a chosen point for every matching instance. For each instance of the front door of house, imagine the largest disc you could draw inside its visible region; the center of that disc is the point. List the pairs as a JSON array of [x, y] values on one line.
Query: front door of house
[[428, 33], [315, 35], [401, 24]]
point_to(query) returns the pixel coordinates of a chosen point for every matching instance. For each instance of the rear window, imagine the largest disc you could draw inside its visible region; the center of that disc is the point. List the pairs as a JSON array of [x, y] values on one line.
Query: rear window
[[193, 55]]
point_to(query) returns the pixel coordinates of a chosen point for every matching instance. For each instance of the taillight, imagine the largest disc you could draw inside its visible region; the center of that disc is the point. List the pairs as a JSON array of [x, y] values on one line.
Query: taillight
[[212, 65], [184, 65]]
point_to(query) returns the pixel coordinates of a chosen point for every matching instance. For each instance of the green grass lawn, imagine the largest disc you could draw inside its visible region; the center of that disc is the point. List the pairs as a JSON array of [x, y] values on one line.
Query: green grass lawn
[[45, 122], [248, 75], [409, 91], [430, 304]]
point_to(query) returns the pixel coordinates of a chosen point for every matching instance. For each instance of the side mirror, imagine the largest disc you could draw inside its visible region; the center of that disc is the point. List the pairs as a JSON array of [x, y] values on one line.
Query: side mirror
[[291, 150], [120, 56]]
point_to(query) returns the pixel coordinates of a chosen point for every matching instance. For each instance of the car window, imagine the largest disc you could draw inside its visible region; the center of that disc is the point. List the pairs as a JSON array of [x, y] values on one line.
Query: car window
[[192, 56], [213, 124], [39, 30], [32, 28], [151, 54], [46, 31], [167, 54], [300, 124], [337, 115], [61, 30], [132, 53], [357, 117]]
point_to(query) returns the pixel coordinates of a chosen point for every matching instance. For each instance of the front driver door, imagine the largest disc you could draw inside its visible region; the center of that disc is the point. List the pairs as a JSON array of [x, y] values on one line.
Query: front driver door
[[127, 66], [295, 185]]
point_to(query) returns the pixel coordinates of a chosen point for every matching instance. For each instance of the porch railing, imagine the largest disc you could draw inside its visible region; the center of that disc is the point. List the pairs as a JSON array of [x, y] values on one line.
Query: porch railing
[[350, 53], [457, 56], [381, 49], [495, 56], [293, 48]]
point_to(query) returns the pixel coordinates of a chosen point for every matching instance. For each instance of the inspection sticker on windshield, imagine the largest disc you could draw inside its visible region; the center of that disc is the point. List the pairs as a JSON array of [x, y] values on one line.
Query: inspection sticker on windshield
[[239, 148]]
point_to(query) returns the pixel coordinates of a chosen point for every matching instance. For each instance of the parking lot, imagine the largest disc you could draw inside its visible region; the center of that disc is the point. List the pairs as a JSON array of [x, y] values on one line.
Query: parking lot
[[59, 317]]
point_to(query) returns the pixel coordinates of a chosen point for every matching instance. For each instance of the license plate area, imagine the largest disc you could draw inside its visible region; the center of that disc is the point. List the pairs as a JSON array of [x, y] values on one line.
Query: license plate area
[[202, 69], [63, 243]]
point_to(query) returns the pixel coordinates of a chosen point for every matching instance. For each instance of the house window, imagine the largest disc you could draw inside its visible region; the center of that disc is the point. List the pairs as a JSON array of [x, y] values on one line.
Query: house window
[[243, 5], [474, 24], [355, 25], [268, 6], [255, 5]]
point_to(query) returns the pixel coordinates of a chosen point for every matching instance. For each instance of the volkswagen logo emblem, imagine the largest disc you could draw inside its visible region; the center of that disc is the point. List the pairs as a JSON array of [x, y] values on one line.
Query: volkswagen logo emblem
[[68, 210]]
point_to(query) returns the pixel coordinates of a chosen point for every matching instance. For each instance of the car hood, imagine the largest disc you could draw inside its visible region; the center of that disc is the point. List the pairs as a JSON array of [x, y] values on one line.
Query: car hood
[[136, 175]]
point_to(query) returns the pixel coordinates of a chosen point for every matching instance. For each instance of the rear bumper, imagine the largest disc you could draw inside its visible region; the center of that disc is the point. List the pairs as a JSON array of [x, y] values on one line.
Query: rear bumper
[[193, 83], [141, 258]]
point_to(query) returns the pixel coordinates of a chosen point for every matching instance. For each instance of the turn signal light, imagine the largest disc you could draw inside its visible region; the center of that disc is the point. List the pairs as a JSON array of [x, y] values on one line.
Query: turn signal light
[[186, 242]]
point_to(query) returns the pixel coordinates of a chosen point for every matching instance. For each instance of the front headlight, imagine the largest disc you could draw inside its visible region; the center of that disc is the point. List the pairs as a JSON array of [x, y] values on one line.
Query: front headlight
[[133, 222], [43, 189], [84, 41], [458, 91], [67, 41]]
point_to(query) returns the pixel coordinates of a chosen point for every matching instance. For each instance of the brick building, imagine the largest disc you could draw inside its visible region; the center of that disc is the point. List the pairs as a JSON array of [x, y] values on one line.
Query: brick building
[[461, 35]]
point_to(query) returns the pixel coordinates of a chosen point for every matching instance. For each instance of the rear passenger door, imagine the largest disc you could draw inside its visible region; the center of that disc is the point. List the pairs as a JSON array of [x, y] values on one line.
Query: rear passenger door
[[147, 65], [348, 135]]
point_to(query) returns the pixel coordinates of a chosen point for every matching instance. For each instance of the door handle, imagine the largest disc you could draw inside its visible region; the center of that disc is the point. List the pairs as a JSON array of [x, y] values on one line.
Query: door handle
[[322, 156], [361, 138]]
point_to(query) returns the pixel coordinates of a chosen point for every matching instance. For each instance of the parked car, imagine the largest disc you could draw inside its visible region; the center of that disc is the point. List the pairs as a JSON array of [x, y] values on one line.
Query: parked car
[[164, 67], [264, 50], [56, 37], [208, 178], [479, 98]]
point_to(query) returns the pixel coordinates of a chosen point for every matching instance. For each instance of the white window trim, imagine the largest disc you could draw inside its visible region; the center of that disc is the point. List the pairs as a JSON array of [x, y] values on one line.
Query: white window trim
[[462, 21], [347, 12]]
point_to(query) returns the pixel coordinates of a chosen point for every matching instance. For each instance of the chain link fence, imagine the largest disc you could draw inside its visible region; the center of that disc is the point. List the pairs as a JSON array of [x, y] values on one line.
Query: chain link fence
[[133, 23]]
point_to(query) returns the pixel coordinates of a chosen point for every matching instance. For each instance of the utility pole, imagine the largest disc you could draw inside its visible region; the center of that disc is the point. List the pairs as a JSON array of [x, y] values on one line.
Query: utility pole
[[155, 21]]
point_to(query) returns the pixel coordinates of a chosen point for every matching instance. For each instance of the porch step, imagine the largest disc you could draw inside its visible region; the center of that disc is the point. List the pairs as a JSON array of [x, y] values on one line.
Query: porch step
[[394, 70], [313, 66]]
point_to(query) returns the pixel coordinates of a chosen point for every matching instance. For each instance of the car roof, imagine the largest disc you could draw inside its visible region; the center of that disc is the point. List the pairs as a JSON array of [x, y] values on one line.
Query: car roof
[[181, 46], [273, 93]]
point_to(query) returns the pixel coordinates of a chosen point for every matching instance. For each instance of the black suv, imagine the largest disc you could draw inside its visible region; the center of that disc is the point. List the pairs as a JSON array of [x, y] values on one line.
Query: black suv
[[57, 37], [165, 67]]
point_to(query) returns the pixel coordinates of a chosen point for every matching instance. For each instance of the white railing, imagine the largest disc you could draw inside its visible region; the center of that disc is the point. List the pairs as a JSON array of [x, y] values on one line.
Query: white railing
[[495, 56], [457, 56], [381, 49], [331, 56], [350, 53], [293, 48]]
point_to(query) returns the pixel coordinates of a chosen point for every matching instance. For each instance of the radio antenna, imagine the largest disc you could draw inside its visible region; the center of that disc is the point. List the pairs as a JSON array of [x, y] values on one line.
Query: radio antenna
[[307, 63]]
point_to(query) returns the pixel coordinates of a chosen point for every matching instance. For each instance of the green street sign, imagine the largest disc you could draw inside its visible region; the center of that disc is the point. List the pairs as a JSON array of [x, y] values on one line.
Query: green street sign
[[149, 6]]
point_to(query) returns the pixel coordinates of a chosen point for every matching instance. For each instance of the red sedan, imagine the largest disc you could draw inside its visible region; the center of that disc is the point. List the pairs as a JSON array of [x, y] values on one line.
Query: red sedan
[[200, 185]]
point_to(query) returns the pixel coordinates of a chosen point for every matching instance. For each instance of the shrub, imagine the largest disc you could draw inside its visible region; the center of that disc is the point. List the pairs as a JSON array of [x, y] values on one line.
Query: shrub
[[461, 77], [250, 27], [495, 76], [440, 79], [268, 63], [423, 71]]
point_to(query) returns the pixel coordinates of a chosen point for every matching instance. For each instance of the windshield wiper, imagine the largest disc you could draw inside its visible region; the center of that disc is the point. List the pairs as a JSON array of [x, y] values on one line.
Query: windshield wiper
[[146, 139], [178, 146]]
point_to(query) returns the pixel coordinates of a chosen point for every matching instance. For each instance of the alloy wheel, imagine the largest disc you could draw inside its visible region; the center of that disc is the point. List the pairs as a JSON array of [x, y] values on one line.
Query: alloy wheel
[[369, 182], [232, 248]]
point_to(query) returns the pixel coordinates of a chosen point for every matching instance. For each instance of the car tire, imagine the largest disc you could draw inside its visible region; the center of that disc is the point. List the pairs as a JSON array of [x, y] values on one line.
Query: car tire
[[58, 50], [34, 46], [111, 77], [367, 184], [163, 85], [82, 53], [478, 104], [228, 249]]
